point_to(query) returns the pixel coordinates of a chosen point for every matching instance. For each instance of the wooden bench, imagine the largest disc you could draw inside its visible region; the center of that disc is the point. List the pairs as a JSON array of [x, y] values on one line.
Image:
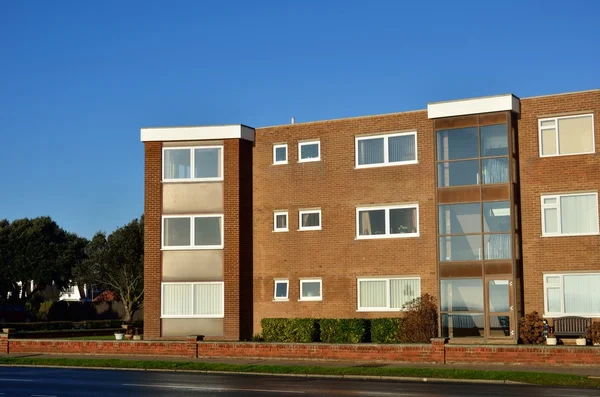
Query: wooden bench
[[571, 326]]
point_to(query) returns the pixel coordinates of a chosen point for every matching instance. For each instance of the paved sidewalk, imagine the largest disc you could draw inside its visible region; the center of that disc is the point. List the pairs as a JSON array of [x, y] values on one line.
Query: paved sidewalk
[[582, 371]]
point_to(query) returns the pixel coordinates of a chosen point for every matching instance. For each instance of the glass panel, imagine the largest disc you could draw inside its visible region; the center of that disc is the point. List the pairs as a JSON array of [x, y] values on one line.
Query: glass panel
[[177, 164], [458, 173], [208, 299], [494, 140], [370, 151], [281, 221], [461, 143], [176, 299], [460, 248], [309, 151], [403, 291], [553, 300], [281, 289], [553, 280], [575, 135], [311, 219], [582, 293], [495, 170], [207, 231], [459, 218], [499, 326], [462, 295], [177, 232], [496, 216], [551, 220], [579, 214], [550, 200], [281, 154], [498, 294], [462, 325], [547, 123], [311, 289], [497, 246], [403, 220], [371, 222], [402, 148], [207, 163], [373, 294], [549, 142]]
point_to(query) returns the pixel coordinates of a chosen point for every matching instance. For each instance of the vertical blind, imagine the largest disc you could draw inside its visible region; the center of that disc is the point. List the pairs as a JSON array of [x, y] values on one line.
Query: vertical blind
[[401, 148], [372, 293], [176, 299], [208, 299], [388, 293], [581, 293], [192, 299], [579, 214]]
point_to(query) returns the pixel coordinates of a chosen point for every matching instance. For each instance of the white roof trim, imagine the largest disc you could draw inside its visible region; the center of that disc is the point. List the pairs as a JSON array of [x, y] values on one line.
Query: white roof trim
[[165, 134], [462, 107]]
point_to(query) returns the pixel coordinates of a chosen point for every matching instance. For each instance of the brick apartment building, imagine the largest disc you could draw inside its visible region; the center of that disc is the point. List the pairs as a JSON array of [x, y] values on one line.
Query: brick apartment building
[[489, 204]]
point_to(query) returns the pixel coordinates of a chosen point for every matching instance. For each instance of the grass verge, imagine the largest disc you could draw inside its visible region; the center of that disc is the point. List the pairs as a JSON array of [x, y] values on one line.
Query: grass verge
[[537, 378]]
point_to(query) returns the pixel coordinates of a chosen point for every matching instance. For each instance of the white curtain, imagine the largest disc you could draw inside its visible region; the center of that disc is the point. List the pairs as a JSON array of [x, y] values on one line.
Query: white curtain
[[579, 214], [401, 148], [176, 299], [582, 293], [372, 294], [177, 163], [370, 151], [208, 299], [498, 246], [403, 291], [495, 170]]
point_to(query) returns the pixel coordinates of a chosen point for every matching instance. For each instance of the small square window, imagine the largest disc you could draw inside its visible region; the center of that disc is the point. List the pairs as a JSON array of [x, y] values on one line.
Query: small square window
[[280, 155], [281, 290], [309, 151], [310, 220], [280, 221], [310, 290]]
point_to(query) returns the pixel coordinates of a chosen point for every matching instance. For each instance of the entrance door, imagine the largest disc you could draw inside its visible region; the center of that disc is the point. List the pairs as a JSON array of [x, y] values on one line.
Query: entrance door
[[499, 308]]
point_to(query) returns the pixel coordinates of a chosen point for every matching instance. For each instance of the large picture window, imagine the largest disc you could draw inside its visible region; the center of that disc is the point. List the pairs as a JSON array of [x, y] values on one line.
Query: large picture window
[[389, 149], [571, 294], [192, 300], [387, 294], [192, 232], [388, 221], [570, 214], [562, 136], [193, 164]]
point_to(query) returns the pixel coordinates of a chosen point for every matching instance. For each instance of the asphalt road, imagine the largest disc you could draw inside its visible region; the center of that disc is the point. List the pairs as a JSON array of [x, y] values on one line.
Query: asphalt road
[[50, 382]]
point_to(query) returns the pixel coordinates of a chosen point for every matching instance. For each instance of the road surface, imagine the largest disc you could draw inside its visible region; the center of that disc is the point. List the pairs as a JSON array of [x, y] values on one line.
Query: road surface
[[52, 382]]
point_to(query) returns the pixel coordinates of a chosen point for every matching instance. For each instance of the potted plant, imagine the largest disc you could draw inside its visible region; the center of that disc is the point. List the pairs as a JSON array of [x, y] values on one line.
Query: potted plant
[[129, 333], [593, 334], [581, 341], [551, 339], [119, 335]]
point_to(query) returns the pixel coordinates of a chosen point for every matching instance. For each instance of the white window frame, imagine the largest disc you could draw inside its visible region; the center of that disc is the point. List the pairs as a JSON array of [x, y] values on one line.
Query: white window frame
[[306, 143], [192, 164], [279, 146], [307, 228], [311, 298], [192, 284], [555, 127], [386, 150], [287, 290], [387, 234], [562, 295], [287, 221], [558, 213], [388, 307], [192, 233]]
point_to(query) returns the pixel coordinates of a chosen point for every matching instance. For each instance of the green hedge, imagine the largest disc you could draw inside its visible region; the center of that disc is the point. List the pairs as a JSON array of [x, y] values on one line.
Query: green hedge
[[292, 330], [386, 330], [353, 330], [68, 325]]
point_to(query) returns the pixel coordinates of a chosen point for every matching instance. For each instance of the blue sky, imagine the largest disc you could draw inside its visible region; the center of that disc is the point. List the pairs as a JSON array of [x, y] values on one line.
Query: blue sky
[[79, 78]]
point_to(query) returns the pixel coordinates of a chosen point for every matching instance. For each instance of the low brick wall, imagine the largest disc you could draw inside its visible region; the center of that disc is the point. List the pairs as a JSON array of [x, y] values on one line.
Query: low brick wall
[[524, 355]]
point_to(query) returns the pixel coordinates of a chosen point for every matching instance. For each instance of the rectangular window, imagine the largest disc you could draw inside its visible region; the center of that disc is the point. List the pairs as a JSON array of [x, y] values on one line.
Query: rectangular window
[[309, 151], [387, 294], [570, 214], [572, 294], [562, 136], [192, 232], [386, 222], [280, 221], [389, 149], [309, 219], [193, 164], [281, 290], [192, 300], [310, 290], [280, 154]]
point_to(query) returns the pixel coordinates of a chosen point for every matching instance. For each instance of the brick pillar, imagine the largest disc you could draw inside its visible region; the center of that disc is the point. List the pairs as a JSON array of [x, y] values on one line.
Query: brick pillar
[[3, 343], [438, 350], [192, 348], [152, 236]]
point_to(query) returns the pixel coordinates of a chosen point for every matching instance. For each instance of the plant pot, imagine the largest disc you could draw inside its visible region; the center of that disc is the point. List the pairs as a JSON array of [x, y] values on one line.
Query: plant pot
[[119, 335], [581, 341], [137, 337], [551, 341], [596, 343]]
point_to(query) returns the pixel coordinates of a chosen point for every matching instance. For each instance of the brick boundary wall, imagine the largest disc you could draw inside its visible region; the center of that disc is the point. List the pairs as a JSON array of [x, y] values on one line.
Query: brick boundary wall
[[437, 352]]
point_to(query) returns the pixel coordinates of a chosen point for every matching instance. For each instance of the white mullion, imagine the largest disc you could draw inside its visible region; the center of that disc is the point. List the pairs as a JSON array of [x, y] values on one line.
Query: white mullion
[[192, 286], [388, 302], [562, 294], [559, 215], [556, 133], [386, 154], [192, 161], [387, 222], [192, 231]]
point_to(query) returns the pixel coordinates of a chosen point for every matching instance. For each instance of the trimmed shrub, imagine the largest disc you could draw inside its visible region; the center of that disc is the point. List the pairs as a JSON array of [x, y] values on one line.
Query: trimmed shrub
[[67, 325], [353, 330], [593, 333], [420, 322], [386, 330], [291, 330], [531, 330]]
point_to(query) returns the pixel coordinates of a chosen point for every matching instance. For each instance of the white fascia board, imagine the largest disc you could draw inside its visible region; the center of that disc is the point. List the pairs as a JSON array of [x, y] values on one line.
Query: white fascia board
[[215, 132], [462, 107]]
